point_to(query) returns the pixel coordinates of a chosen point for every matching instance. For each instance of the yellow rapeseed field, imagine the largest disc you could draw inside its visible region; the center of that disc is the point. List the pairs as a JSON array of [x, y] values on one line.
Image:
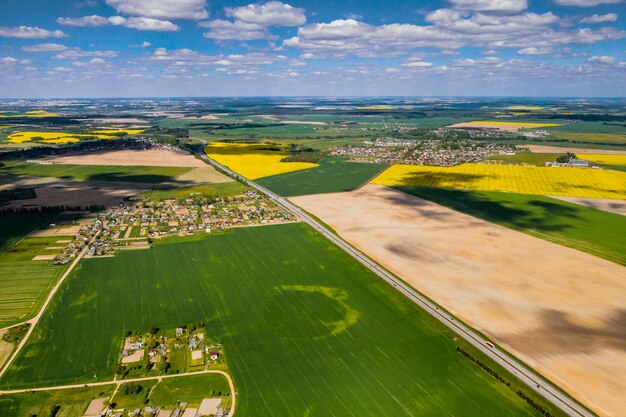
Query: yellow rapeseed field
[[603, 159], [57, 137], [57, 141], [31, 113], [556, 181], [251, 160]]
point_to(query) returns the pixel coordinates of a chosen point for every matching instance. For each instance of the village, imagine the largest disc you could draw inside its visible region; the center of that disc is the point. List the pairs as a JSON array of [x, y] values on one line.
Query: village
[[422, 152], [133, 225], [161, 352]]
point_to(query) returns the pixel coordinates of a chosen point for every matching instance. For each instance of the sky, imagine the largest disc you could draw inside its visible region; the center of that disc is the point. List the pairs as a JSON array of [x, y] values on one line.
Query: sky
[[179, 48]]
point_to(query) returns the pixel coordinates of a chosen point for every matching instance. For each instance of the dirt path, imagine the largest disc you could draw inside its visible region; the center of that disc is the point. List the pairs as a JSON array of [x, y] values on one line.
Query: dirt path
[[557, 309], [118, 383]]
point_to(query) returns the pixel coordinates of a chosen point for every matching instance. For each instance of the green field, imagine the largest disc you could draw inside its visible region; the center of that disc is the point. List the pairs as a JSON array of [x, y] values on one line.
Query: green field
[[224, 189], [191, 389], [25, 283], [73, 402], [537, 159], [14, 226], [149, 174], [333, 175], [594, 231], [306, 329]]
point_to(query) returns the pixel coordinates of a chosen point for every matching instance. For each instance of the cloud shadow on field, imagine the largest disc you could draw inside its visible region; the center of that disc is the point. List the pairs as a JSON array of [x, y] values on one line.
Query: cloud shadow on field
[[535, 214], [560, 334], [440, 179]]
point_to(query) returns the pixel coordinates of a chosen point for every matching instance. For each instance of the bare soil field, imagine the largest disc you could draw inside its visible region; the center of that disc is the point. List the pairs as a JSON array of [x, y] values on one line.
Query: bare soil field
[[76, 196], [613, 206], [44, 257], [203, 175], [149, 157], [8, 182], [96, 407], [558, 309], [556, 149]]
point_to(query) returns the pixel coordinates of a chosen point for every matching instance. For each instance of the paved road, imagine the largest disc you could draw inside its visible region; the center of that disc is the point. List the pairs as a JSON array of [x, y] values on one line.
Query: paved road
[[500, 356], [233, 394]]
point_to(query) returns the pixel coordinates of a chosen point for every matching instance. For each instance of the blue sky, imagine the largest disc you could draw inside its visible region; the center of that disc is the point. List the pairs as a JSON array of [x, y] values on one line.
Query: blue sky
[[139, 48]]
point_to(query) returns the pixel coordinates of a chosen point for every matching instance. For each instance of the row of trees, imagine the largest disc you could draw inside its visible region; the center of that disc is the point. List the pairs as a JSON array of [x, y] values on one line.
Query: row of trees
[[497, 376]]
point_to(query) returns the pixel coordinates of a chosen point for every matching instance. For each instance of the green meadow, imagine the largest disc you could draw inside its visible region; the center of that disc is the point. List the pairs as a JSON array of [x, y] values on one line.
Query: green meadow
[[147, 174], [333, 175], [71, 402], [24, 283], [594, 231], [306, 330]]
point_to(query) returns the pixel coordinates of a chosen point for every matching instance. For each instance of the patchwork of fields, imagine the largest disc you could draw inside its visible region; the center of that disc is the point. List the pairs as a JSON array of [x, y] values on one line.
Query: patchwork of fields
[[25, 283], [23, 286], [555, 308], [332, 175], [256, 160], [573, 182], [307, 331]]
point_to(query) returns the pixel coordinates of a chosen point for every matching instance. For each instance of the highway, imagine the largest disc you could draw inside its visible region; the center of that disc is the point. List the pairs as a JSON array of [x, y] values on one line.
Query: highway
[[500, 356]]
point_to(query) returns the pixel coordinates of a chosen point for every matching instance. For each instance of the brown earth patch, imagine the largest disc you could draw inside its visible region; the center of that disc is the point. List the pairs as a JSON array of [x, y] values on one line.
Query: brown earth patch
[[148, 157], [613, 206]]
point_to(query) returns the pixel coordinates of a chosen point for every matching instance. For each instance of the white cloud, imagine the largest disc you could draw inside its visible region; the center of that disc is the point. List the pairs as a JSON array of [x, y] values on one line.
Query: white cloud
[[30, 32], [534, 51], [417, 64], [84, 21], [93, 62], [600, 18], [8, 60], [237, 30], [138, 23], [141, 45], [79, 53], [586, 3], [604, 59], [148, 23], [188, 57], [273, 13], [449, 30], [497, 6], [44, 47], [162, 9]]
